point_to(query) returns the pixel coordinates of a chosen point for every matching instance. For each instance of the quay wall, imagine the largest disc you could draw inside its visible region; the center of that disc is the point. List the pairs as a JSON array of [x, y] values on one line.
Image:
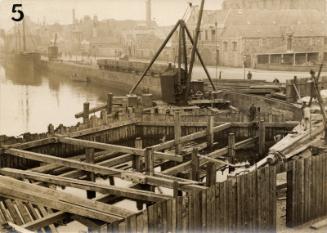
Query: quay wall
[[243, 102], [122, 81]]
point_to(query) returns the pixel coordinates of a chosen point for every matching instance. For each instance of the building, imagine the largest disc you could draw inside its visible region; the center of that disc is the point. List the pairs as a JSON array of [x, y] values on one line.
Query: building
[[263, 33], [319, 5]]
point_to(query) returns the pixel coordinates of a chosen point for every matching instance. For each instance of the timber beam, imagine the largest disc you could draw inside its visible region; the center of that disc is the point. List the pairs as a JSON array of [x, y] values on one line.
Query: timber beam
[[116, 148], [216, 154], [129, 193], [191, 137]]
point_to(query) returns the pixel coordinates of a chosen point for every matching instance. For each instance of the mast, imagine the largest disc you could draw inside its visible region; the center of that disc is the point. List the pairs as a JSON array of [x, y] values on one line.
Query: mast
[[24, 36]]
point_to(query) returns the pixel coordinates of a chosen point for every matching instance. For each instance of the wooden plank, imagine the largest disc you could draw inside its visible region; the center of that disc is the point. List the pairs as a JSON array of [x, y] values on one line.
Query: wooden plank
[[100, 146], [290, 201], [45, 221], [191, 137], [300, 191], [204, 210], [86, 185], [23, 212], [307, 191], [320, 224], [13, 212], [64, 162], [18, 229], [49, 197], [6, 213], [139, 220]]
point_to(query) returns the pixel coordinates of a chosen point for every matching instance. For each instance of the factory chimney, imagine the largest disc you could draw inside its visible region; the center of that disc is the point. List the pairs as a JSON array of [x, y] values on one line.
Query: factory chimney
[[74, 16], [148, 12]]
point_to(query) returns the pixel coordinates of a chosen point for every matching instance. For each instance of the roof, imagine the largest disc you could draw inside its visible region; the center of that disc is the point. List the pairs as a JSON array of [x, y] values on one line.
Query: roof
[[274, 23]]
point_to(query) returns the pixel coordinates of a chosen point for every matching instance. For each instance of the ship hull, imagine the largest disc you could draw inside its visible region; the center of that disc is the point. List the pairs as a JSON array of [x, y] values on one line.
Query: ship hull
[[23, 68]]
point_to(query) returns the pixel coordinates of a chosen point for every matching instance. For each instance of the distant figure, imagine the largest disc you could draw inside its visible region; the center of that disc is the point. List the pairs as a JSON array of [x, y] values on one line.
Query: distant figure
[[306, 115], [253, 112], [276, 81], [170, 67], [249, 75]]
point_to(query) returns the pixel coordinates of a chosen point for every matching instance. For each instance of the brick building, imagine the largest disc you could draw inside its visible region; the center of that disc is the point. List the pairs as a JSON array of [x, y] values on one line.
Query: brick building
[[263, 32]]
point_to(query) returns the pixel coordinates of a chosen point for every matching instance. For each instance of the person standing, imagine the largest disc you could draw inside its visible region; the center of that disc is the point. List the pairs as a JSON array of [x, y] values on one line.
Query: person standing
[[249, 75], [252, 112]]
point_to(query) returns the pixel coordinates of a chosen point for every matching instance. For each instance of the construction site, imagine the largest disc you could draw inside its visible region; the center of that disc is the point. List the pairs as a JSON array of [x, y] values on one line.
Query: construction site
[[212, 155]]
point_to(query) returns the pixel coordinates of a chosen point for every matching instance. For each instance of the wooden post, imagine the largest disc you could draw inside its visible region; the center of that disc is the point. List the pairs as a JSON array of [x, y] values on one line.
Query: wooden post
[[210, 132], [149, 161], [89, 158], [86, 112], [110, 98], [211, 174], [231, 147], [103, 115], [262, 138], [137, 162], [175, 189], [195, 165], [178, 132]]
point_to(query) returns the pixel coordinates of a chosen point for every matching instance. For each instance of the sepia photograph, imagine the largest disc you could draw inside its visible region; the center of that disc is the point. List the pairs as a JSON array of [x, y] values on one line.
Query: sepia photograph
[[170, 116]]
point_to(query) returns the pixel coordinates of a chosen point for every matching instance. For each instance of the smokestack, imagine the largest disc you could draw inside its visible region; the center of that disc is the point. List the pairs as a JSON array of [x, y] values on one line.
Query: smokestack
[[74, 16], [148, 12]]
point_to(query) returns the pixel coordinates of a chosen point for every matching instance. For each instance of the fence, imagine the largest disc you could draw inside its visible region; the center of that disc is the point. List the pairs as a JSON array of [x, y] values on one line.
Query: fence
[[243, 203], [306, 190]]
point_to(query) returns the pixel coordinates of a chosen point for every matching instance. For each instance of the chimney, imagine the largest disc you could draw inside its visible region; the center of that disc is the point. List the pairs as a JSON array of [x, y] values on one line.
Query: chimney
[[148, 12], [74, 16]]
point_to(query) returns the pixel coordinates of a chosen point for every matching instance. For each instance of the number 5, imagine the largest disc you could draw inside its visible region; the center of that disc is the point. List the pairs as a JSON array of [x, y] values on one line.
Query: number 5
[[21, 13]]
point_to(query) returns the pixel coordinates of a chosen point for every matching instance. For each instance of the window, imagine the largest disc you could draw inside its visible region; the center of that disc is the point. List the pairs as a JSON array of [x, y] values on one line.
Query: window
[[234, 46], [225, 45], [206, 34], [325, 40]]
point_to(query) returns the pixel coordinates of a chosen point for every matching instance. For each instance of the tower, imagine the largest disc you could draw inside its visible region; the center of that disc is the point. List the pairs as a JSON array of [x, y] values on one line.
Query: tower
[[74, 16], [148, 13]]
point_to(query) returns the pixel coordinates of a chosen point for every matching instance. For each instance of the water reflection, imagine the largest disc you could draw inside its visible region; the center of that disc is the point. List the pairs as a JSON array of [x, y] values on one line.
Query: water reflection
[[29, 105]]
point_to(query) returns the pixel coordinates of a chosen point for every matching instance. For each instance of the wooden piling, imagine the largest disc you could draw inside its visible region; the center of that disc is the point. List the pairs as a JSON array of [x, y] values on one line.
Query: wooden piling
[[89, 158], [86, 112], [262, 137], [195, 165], [231, 147], [211, 174], [109, 102], [210, 131], [149, 161], [178, 132], [137, 162]]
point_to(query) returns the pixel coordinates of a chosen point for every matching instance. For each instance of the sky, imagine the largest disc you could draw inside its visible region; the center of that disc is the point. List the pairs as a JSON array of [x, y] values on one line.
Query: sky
[[165, 12]]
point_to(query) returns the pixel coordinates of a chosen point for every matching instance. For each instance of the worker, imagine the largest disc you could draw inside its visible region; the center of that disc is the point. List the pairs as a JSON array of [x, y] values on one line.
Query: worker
[[306, 115], [253, 112], [249, 75], [276, 81]]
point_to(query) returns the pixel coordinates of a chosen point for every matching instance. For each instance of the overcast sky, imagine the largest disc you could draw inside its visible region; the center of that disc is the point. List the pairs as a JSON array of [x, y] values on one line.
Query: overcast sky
[[166, 12]]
